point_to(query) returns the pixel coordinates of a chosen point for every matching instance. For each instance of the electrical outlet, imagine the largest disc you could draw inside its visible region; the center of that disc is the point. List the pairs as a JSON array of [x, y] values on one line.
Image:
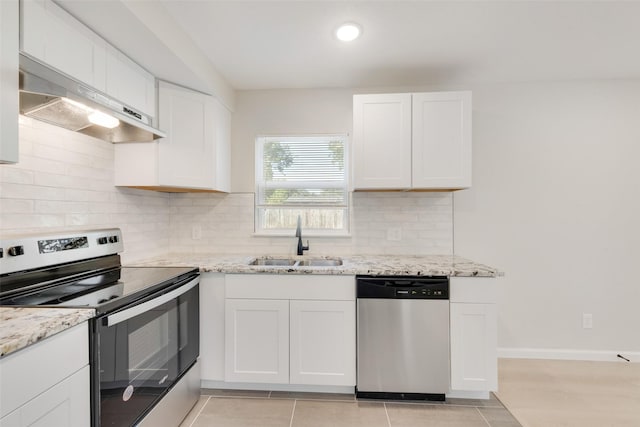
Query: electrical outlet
[[587, 320], [196, 232], [394, 234]]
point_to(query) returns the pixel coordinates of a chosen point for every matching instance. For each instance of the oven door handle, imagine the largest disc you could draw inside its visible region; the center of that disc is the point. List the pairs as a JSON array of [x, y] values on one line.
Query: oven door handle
[[136, 310]]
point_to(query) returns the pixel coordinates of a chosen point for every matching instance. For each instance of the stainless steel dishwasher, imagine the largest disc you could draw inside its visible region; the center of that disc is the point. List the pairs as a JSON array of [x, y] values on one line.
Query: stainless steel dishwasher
[[403, 337]]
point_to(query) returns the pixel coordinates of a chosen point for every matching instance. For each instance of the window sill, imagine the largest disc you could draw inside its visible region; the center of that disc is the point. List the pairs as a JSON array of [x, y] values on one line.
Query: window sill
[[304, 235]]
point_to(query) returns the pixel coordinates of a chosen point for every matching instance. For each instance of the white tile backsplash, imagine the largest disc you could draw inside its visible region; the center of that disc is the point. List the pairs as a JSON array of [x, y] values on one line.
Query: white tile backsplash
[[227, 225], [64, 181]]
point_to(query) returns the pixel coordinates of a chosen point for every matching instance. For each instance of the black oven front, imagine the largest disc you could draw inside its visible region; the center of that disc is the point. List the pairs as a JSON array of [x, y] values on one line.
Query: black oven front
[[142, 350]]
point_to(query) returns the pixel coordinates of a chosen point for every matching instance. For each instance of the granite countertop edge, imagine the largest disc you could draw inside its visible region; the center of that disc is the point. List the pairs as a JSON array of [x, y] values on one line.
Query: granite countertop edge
[[21, 327], [374, 265]]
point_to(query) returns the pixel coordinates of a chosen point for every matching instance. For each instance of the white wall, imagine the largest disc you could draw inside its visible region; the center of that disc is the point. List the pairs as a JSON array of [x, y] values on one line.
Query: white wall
[[555, 204], [64, 181]]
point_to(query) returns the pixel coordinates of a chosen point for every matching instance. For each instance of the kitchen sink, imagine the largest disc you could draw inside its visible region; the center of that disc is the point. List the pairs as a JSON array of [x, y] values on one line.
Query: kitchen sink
[[273, 261], [291, 262], [320, 262]]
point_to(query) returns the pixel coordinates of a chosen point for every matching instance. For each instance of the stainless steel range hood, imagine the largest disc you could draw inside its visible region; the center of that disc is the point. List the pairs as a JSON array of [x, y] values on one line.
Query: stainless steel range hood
[[55, 98]]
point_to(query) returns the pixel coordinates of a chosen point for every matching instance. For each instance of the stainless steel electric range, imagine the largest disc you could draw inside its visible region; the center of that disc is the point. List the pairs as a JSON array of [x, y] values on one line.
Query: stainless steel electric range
[[144, 340]]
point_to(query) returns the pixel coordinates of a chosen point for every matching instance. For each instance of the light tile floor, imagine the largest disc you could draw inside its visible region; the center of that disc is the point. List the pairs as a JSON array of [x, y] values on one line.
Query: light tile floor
[[539, 393], [228, 408], [550, 393]]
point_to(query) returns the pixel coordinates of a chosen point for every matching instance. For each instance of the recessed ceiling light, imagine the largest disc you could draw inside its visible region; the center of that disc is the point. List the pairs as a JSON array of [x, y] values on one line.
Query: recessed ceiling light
[[348, 32]]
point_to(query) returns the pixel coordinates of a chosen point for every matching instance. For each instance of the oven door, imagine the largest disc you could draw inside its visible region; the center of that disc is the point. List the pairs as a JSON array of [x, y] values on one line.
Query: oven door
[[142, 351]]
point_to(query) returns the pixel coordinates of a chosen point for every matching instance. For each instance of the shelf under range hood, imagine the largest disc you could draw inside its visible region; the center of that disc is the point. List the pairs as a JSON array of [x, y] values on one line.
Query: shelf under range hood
[[55, 98]]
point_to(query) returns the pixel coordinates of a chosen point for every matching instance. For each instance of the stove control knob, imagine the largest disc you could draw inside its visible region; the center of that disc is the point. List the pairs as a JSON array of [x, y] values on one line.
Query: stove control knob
[[113, 239], [100, 301], [15, 250], [102, 240], [113, 297]]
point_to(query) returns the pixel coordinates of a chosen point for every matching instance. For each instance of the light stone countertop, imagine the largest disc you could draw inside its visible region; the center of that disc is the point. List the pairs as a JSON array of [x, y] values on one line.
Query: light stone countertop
[[23, 326], [20, 327], [376, 265]]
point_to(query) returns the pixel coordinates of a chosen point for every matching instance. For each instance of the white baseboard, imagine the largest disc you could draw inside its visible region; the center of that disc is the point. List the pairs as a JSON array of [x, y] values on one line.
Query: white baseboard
[[567, 354], [462, 394]]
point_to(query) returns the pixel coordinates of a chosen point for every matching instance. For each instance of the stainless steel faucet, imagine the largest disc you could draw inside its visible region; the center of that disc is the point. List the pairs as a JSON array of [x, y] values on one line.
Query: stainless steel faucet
[[301, 247]]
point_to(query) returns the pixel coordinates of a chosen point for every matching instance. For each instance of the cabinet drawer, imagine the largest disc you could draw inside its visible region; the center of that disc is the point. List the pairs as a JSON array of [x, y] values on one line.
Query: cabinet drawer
[[295, 286], [29, 372], [65, 404], [473, 290]]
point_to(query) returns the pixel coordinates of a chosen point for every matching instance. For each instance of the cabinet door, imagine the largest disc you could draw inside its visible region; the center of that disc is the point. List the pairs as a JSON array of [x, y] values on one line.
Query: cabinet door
[[382, 141], [212, 327], [186, 157], [441, 140], [129, 83], [65, 404], [473, 347], [323, 342], [56, 38], [257, 341], [223, 147], [9, 81]]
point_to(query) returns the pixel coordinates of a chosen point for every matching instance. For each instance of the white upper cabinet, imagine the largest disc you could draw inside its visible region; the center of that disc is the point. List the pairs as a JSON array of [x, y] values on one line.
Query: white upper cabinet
[[9, 81], [382, 141], [418, 141], [441, 125], [51, 35], [195, 155], [187, 154], [130, 83], [54, 37]]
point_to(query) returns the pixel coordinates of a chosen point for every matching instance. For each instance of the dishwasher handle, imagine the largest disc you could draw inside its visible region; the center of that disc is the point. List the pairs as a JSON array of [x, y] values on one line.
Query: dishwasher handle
[[402, 287]]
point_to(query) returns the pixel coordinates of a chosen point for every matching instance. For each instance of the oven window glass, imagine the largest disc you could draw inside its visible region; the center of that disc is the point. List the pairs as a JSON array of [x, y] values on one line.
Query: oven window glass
[[150, 349], [141, 357]]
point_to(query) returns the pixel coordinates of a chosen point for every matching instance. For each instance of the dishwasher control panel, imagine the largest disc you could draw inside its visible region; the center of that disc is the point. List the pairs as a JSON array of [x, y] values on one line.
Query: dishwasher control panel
[[402, 287], [418, 293]]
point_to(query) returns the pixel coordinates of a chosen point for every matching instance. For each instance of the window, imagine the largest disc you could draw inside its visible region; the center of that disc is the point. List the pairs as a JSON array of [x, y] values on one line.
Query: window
[[302, 176]]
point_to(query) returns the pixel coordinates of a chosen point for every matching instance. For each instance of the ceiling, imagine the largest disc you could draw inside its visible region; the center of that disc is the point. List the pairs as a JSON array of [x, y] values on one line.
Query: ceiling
[[290, 44]]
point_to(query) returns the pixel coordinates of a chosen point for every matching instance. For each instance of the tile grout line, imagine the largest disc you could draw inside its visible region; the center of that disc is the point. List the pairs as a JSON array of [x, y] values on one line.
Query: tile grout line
[[386, 413], [200, 411], [293, 411], [482, 416]]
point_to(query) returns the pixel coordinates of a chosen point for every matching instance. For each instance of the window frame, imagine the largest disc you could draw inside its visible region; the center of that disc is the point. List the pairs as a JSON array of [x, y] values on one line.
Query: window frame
[[259, 229]]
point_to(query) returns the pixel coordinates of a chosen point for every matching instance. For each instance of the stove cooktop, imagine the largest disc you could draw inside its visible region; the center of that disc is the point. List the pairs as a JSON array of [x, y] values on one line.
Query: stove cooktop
[[104, 291]]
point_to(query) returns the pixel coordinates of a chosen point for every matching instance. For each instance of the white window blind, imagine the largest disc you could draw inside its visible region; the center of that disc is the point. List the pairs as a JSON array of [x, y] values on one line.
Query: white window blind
[[302, 176]]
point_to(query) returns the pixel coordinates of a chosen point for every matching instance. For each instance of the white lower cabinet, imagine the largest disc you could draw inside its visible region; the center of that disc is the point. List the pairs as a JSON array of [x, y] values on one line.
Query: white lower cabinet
[[473, 334], [47, 384], [322, 342], [64, 404], [293, 329], [212, 326], [257, 341]]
